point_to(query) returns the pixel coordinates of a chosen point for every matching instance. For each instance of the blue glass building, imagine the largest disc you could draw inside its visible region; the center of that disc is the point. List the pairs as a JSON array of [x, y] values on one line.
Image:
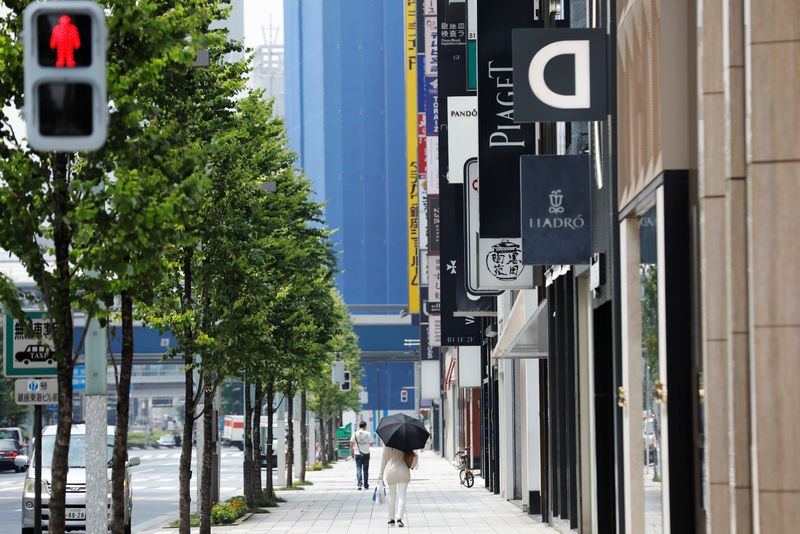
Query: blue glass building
[[345, 117]]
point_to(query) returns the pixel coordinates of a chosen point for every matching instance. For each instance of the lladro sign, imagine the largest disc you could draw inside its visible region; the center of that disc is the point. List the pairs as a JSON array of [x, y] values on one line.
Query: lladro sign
[[559, 75], [555, 210]]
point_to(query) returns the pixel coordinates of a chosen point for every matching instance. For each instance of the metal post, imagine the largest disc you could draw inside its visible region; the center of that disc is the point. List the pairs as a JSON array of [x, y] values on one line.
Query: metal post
[[215, 444], [96, 431], [281, 438], [37, 460], [200, 433]]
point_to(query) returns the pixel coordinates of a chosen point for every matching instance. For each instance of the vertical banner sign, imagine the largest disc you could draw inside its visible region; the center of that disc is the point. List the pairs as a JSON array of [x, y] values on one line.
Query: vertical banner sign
[[501, 140], [472, 44], [555, 193], [460, 326], [411, 154], [433, 333], [451, 64]]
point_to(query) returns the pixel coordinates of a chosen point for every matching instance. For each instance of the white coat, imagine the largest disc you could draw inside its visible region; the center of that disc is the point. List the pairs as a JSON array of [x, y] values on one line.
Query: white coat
[[393, 467]]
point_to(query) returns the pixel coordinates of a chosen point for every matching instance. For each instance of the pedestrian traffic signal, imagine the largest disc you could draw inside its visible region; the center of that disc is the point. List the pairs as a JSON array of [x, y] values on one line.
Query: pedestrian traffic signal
[[346, 385], [65, 75]]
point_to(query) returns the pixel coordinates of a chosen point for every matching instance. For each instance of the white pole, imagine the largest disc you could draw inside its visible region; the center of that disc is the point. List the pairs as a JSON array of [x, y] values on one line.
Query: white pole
[[281, 442], [96, 431]]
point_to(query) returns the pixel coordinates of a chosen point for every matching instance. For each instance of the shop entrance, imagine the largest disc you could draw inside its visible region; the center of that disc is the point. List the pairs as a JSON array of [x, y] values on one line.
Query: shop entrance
[[658, 393]]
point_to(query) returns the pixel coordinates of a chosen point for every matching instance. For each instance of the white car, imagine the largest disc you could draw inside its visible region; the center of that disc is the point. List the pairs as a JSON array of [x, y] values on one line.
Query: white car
[[167, 440], [76, 480]]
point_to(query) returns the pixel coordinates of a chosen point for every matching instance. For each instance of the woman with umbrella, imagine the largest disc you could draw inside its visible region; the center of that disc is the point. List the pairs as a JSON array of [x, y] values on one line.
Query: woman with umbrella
[[401, 435]]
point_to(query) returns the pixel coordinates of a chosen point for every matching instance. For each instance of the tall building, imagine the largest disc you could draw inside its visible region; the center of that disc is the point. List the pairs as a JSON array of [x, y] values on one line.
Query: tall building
[[345, 94], [344, 116], [268, 74]]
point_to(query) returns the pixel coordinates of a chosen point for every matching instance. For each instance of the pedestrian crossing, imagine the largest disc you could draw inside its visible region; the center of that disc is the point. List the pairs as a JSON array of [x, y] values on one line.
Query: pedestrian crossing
[[150, 455]]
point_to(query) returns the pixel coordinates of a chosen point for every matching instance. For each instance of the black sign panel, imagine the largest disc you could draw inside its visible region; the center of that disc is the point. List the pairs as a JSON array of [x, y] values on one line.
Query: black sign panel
[[560, 75], [502, 140], [463, 330], [556, 221], [452, 57], [426, 351], [453, 255]]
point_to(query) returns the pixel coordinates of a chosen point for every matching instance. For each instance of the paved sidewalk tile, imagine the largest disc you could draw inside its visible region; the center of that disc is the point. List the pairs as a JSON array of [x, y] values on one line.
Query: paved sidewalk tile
[[437, 503]]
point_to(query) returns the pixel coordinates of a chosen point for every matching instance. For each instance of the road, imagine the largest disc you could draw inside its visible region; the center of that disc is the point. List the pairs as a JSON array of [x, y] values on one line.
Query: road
[[154, 483]]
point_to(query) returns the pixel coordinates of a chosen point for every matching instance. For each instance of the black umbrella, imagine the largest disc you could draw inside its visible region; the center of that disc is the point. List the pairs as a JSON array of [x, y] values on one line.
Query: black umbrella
[[402, 432]]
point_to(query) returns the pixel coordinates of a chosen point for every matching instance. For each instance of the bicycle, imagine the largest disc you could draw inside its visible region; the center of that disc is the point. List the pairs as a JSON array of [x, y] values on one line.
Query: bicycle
[[465, 475]]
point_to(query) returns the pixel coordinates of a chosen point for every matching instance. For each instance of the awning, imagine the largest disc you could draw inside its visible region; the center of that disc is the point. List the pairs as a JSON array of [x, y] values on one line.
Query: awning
[[525, 331]]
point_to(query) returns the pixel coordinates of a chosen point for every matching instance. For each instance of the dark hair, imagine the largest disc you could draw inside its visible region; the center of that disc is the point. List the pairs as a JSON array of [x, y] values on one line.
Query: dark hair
[[362, 424]]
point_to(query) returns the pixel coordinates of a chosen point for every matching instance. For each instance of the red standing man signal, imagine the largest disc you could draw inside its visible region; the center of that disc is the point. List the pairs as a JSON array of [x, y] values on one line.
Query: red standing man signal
[[65, 40]]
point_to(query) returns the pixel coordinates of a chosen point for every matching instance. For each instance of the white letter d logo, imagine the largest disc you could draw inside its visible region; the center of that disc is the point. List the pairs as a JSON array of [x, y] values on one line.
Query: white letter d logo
[[582, 98]]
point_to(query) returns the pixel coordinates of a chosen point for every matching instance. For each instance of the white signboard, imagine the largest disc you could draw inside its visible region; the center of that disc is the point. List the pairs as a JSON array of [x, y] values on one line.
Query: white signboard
[[469, 367], [435, 330], [36, 391], [29, 354], [430, 380], [432, 151], [462, 132]]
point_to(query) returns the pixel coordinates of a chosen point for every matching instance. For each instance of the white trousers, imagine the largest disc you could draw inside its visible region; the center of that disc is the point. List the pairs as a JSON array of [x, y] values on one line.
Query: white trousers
[[397, 500]]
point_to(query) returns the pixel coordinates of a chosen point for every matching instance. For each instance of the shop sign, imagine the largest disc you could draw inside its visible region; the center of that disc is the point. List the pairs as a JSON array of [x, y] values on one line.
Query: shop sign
[[501, 139], [560, 74], [555, 210]]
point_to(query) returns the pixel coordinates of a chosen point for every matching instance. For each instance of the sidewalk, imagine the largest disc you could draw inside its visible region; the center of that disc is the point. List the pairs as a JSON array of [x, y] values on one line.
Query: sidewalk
[[437, 503]]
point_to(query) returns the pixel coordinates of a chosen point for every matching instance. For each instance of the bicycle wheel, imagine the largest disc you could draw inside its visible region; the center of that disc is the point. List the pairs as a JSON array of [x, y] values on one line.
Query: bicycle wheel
[[461, 476], [469, 479]]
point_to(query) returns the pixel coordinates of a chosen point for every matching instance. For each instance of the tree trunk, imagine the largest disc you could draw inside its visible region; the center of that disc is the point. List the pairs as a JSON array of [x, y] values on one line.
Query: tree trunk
[[61, 315], [289, 435], [248, 447], [208, 428], [332, 438], [185, 463], [303, 436], [256, 480], [323, 441], [120, 458], [270, 398]]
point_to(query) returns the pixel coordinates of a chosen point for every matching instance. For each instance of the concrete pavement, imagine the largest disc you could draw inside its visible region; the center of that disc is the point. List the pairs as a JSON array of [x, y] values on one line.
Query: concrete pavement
[[437, 503]]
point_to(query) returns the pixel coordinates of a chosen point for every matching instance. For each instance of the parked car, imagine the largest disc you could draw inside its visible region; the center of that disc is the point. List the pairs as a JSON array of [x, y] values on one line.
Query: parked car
[[9, 450], [76, 480], [167, 440], [15, 433]]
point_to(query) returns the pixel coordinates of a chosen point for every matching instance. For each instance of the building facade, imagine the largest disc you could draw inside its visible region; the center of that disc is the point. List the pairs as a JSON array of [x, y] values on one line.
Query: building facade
[[651, 387]]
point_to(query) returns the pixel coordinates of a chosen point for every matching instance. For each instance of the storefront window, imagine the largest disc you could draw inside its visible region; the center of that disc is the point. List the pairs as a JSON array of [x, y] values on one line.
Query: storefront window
[[651, 413]]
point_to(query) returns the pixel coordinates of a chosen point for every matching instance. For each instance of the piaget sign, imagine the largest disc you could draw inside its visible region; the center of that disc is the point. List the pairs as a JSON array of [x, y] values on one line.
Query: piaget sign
[[555, 210]]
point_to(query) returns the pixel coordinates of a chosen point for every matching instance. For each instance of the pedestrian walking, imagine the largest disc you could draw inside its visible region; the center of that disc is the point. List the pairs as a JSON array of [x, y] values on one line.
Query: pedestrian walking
[[359, 446], [396, 469]]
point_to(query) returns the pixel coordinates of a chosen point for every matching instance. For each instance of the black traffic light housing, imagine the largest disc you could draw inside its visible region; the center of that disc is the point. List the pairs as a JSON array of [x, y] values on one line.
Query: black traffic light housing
[[65, 75]]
